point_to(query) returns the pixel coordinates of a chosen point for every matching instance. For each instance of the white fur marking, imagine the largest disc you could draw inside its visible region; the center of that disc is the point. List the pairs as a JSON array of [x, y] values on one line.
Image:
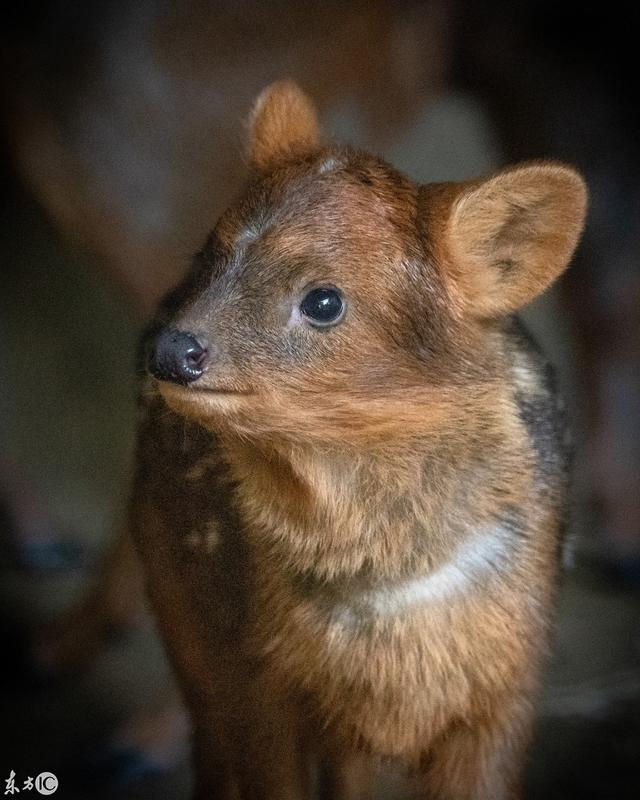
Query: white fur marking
[[295, 317], [526, 375], [201, 467], [476, 557], [328, 165], [247, 235], [205, 542]]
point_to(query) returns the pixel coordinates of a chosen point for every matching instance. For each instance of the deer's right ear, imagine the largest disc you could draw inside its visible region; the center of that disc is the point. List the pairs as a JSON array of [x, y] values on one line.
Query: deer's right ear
[[504, 239], [283, 125]]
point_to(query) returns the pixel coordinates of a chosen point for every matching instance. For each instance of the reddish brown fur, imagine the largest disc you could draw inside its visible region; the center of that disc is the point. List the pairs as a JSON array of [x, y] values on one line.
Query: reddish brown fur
[[331, 478]]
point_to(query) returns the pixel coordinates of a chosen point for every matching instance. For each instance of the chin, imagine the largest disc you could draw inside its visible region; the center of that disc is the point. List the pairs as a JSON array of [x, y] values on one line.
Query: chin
[[201, 404]]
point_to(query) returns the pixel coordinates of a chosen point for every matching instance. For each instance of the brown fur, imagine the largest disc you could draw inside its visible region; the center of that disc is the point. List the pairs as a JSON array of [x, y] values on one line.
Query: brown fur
[[289, 502]]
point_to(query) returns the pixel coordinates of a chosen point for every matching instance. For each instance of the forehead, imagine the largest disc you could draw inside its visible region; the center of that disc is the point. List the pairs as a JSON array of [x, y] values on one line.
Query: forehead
[[335, 212]]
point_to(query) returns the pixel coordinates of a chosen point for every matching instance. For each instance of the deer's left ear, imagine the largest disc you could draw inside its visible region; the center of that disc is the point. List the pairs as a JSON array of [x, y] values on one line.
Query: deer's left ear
[[283, 125], [508, 237]]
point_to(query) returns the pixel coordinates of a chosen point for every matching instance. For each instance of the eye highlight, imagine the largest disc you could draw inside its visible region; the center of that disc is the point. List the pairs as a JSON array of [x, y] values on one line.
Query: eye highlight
[[323, 306]]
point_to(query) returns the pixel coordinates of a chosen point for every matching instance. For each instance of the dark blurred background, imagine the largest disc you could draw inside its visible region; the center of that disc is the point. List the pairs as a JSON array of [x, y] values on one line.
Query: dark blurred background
[[123, 129]]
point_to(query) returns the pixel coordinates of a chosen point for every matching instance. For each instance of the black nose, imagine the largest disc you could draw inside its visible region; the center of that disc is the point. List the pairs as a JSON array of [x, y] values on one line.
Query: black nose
[[177, 357]]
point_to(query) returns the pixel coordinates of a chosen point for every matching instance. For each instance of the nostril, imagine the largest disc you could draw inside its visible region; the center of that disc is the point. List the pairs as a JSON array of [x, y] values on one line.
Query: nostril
[[196, 356]]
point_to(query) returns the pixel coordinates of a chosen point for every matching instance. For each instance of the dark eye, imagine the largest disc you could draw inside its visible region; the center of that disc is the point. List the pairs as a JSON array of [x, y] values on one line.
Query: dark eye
[[323, 306]]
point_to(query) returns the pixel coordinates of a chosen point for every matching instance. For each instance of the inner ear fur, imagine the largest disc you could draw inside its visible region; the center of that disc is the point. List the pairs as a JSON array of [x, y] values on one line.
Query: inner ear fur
[[283, 124], [509, 236]]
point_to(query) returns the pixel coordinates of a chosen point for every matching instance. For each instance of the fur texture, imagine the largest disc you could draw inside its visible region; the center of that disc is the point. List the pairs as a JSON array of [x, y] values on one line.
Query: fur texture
[[350, 534]]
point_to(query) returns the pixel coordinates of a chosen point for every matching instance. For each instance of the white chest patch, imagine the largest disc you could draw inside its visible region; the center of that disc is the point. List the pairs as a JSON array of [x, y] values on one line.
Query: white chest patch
[[481, 554]]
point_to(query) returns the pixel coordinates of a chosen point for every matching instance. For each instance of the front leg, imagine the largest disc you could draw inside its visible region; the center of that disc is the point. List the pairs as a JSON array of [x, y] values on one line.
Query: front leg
[[479, 761], [213, 774], [268, 757], [248, 743]]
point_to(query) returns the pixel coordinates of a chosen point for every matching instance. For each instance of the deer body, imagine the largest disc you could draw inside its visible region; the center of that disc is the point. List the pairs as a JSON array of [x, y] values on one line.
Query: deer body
[[351, 538]]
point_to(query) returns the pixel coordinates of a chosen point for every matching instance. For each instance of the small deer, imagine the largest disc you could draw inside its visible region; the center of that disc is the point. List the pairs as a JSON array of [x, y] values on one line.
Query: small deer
[[352, 469]]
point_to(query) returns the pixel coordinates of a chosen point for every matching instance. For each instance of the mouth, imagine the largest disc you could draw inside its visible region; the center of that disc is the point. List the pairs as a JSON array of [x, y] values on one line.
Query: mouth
[[191, 389], [221, 390], [202, 399]]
